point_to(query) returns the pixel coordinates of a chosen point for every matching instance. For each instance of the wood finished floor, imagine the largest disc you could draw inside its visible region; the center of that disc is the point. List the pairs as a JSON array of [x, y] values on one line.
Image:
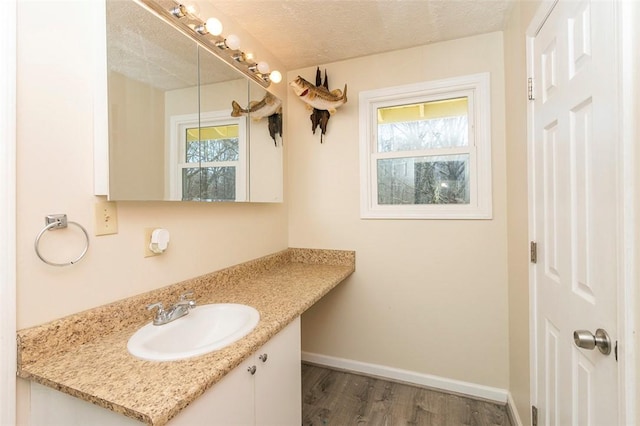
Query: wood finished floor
[[337, 398]]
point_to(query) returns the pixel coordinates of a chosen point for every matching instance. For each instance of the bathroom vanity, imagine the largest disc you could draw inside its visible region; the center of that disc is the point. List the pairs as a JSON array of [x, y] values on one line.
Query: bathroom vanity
[[262, 390], [80, 366]]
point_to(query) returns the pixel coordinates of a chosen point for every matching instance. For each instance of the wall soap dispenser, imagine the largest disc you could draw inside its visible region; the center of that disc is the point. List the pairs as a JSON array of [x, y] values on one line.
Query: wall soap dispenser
[[159, 240]]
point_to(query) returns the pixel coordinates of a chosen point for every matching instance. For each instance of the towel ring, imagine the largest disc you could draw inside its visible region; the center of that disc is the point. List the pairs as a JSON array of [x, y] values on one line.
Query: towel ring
[[59, 221]]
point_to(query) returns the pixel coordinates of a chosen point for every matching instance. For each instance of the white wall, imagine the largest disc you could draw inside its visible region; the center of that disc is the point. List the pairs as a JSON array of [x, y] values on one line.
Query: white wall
[[55, 175], [428, 295]]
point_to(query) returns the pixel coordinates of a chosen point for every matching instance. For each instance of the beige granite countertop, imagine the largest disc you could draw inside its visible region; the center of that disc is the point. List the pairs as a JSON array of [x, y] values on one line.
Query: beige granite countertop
[[85, 354]]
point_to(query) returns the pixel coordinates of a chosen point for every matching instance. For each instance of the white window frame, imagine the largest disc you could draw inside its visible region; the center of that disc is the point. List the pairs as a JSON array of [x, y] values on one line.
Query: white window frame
[[177, 146], [476, 88]]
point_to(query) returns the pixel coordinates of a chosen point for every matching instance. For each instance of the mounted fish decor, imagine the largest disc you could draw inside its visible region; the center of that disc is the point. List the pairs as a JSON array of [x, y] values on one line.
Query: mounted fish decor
[[270, 106], [320, 99], [320, 117]]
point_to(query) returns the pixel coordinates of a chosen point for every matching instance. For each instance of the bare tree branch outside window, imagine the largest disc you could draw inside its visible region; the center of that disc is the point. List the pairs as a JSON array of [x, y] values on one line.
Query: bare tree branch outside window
[[426, 179], [208, 182]]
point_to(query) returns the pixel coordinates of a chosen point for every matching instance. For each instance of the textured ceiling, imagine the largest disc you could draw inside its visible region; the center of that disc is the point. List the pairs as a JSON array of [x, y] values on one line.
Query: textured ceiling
[[303, 33], [146, 49], [300, 33]]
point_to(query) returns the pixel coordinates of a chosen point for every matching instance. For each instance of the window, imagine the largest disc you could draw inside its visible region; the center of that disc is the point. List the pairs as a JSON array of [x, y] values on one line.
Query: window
[[425, 150], [209, 158]]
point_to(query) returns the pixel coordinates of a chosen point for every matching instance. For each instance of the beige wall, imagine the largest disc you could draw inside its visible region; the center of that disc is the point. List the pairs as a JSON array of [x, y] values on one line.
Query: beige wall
[[55, 175], [428, 295], [517, 204], [136, 110]]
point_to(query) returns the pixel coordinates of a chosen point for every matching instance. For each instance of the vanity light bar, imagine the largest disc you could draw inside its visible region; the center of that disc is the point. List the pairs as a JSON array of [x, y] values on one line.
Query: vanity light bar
[[178, 15]]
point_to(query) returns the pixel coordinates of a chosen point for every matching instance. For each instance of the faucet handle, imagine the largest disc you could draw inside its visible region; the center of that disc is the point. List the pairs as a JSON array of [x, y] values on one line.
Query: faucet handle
[[186, 296], [156, 305]]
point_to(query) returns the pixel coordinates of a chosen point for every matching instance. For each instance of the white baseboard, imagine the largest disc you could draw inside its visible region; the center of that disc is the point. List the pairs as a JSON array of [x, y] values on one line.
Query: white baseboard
[[512, 411], [439, 383]]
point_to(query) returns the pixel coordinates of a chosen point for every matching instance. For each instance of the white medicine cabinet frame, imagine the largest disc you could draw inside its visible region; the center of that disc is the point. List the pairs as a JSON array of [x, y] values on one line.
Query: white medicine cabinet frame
[[425, 150]]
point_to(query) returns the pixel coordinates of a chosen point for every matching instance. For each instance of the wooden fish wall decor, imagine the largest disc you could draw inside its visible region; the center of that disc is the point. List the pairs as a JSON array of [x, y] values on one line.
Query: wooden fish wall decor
[[320, 117], [318, 98], [275, 126], [270, 106]]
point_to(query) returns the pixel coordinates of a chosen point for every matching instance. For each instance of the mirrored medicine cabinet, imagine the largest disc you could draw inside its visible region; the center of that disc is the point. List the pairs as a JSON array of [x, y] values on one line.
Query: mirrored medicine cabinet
[[173, 134]]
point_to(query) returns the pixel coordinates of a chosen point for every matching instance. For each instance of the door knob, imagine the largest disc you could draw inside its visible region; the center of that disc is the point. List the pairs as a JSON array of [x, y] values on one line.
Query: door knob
[[586, 340]]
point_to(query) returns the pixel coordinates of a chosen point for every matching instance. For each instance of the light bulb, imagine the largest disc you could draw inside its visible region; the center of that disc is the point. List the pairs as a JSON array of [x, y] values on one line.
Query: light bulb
[[214, 26], [248, 56], [263, 67], [232, 41], [275, 76], [193, 9]]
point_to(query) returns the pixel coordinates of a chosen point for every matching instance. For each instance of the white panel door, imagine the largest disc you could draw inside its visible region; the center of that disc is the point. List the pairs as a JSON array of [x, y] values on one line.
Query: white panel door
[[576, 213]]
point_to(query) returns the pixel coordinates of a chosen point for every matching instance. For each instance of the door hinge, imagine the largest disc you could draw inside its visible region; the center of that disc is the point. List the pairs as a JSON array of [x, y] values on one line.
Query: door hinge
[[534, 415], [530, 89], [534, 252]]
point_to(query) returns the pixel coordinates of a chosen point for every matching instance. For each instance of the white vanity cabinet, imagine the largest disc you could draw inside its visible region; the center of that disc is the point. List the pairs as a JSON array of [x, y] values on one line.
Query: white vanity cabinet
[[269, 396]]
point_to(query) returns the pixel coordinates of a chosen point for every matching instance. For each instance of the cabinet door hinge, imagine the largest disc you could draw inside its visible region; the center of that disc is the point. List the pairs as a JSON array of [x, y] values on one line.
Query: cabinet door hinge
[[530, 89], [534, 415], [534, 252]]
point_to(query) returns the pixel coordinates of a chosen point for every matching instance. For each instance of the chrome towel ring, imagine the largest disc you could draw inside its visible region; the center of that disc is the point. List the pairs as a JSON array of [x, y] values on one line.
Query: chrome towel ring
[[55, 222]]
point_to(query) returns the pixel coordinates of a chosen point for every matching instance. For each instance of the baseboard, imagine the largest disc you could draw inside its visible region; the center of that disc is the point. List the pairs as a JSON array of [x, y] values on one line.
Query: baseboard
[[435, 382], [512, 411]]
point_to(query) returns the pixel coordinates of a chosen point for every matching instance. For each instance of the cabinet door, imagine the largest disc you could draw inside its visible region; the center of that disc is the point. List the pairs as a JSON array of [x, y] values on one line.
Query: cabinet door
[[278, 379], [51, 407], [228, 402]]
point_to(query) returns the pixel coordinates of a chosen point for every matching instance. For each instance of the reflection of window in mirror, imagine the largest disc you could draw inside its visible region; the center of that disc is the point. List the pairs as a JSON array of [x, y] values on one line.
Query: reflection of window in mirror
[[425, 150], [208, 158]]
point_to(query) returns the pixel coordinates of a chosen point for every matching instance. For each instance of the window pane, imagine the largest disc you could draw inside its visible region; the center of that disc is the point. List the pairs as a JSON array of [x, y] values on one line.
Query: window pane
[[219, 183], [220, 150], [424, 180], [191, 184], [212, 143], [427, 125], [192, 152]]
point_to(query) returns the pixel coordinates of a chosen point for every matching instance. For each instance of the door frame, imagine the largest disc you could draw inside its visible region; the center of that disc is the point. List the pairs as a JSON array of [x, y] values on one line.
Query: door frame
[[628, 38], [8, 20]]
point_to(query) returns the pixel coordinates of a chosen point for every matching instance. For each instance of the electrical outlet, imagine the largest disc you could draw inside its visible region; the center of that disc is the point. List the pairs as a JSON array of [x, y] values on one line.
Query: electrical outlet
[[147, 241], [106, 218]]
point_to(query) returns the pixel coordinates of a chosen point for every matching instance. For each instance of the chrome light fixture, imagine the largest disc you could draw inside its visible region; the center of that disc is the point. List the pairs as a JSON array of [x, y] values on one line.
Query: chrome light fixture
[[208, 34]]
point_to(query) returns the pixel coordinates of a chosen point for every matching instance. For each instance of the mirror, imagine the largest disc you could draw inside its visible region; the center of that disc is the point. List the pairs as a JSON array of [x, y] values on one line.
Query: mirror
[[173, 132], [265, 136], [212, 145]]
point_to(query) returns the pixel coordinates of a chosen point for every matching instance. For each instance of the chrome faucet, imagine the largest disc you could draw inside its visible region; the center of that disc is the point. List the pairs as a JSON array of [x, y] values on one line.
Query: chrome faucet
[[180, 309]]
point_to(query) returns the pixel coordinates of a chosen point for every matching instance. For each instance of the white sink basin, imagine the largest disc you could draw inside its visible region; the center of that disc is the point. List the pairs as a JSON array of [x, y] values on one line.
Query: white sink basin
[[205, 329]]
